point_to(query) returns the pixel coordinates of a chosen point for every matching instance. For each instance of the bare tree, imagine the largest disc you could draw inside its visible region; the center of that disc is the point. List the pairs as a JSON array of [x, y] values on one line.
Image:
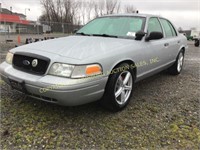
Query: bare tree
[[60, 10], [99, 8], [76, 10], [96, 11], [102, 6], [68, 12], [83, 11], [53, 10], [46, 13], [80, 11], [129, 9], [89, 7], [112, 6], [118, 7]]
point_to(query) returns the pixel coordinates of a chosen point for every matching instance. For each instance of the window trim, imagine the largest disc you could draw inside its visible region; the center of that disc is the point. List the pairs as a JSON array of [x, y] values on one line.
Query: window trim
[[172, 28]]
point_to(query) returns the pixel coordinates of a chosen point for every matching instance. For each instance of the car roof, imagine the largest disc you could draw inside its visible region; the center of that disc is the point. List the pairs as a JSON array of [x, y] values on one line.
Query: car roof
[[132, 15]]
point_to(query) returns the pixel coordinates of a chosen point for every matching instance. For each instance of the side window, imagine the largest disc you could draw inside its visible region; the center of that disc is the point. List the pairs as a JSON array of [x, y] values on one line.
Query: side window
[[154, 25], [168, 28], [173, 29]]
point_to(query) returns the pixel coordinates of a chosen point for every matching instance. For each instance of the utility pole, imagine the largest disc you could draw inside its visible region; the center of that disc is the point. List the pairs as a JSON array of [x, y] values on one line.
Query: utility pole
[[28, 10]]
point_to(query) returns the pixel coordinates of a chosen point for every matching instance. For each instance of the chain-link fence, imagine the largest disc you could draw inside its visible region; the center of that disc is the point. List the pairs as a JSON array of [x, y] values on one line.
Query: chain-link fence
[[34, 30], [57, 27], [36, 27]]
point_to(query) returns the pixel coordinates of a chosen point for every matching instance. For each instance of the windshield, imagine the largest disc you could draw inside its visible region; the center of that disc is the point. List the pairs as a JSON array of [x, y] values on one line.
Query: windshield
[[113, 26]]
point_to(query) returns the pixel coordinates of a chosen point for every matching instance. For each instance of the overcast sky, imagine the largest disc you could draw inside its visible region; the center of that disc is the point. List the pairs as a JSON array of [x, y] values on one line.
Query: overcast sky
[[183, 13]]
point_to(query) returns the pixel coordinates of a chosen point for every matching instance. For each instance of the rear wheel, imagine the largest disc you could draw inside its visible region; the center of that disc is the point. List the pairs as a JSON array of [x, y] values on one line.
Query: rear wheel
[[178, 65], [119, 88], [196, 42]]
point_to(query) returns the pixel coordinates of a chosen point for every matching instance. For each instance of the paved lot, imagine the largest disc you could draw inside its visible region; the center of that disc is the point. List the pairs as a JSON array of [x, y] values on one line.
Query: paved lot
[[163, 114]]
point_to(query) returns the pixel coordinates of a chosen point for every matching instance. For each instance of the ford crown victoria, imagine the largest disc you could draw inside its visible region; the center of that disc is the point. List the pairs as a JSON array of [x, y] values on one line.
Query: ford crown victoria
[[101, 61]]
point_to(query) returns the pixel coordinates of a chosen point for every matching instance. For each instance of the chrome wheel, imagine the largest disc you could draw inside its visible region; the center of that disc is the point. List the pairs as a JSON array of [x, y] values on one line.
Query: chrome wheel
[[180, 62], [123, 87]]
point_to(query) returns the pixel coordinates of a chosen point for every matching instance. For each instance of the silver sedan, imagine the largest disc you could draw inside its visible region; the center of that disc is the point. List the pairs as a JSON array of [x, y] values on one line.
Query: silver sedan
[[101, 61]]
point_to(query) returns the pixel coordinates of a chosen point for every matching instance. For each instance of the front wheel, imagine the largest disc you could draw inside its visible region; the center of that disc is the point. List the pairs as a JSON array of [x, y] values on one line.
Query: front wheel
[[119, 88], [178, 65]]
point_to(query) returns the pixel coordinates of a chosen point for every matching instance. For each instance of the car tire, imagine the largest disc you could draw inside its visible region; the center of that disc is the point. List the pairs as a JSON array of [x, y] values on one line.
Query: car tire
[[196, 43], [119, 88], [177, 67]]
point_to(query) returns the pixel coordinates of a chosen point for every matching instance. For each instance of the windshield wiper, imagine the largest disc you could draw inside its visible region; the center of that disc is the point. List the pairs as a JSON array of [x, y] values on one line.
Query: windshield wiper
[[81, 33], [105, 35]]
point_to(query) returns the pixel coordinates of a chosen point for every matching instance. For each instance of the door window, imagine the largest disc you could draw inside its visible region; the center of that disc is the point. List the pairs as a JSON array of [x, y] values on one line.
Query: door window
[[168, 28], [154, 25]]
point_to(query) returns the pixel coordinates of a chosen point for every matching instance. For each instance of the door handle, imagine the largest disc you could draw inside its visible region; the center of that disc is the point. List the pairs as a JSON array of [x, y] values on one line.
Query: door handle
[[166, 44]]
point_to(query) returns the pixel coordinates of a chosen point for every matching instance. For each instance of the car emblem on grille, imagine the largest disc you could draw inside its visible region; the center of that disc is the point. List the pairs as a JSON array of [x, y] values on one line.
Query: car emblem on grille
[[34, 62], [26, 62]]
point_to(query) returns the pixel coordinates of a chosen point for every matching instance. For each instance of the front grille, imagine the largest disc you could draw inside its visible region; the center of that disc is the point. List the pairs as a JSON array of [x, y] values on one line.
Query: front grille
[[31, 63]]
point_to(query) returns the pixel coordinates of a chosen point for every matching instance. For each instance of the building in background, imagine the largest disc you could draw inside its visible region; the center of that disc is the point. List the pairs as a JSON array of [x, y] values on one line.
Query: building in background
[[11, 22]]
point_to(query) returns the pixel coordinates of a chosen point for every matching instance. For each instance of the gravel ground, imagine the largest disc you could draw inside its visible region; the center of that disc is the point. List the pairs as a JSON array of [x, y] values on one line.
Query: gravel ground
[[23, 37], [163, 114]]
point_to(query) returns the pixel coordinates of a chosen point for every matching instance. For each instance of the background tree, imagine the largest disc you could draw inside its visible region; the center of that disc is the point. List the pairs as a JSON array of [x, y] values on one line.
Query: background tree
[[129, 9], [77, 12]]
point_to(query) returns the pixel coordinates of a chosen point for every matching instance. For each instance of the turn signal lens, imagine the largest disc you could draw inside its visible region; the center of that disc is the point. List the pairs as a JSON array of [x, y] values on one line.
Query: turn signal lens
[[93, 70], [85, 71]]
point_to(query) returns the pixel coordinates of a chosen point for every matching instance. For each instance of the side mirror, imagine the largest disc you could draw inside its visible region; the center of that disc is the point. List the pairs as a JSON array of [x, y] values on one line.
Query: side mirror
[[139, 35], [75, 30], [154, 36]]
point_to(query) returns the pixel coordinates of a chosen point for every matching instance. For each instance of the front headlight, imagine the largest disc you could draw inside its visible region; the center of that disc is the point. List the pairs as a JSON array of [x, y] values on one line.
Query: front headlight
[[63, 70], [9, 57], [72, 71]]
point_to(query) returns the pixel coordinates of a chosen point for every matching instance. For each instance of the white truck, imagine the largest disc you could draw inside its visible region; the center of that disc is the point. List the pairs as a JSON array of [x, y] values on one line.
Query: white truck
[[196, 37], [46, 28]]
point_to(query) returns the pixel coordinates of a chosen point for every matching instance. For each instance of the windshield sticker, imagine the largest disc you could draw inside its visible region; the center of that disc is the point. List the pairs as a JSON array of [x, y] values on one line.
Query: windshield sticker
[[131, 34]]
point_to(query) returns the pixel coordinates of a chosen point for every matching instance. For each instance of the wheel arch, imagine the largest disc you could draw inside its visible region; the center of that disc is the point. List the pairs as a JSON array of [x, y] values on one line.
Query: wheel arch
[[182, 49], [128, 61]]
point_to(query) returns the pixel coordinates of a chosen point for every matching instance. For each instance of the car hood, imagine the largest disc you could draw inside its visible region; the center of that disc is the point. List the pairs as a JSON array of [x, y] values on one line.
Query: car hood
[[78, 47]]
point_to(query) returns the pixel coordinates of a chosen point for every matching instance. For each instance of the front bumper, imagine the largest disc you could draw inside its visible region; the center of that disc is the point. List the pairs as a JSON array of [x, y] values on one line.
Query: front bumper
[[62, 91]]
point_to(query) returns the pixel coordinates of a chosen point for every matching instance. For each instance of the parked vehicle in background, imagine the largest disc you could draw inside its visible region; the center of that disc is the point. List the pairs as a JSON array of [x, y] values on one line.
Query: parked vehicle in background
[[196, 37], [3, 31], [46, 28], [102, 61], [190, 38], [187, 36]]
